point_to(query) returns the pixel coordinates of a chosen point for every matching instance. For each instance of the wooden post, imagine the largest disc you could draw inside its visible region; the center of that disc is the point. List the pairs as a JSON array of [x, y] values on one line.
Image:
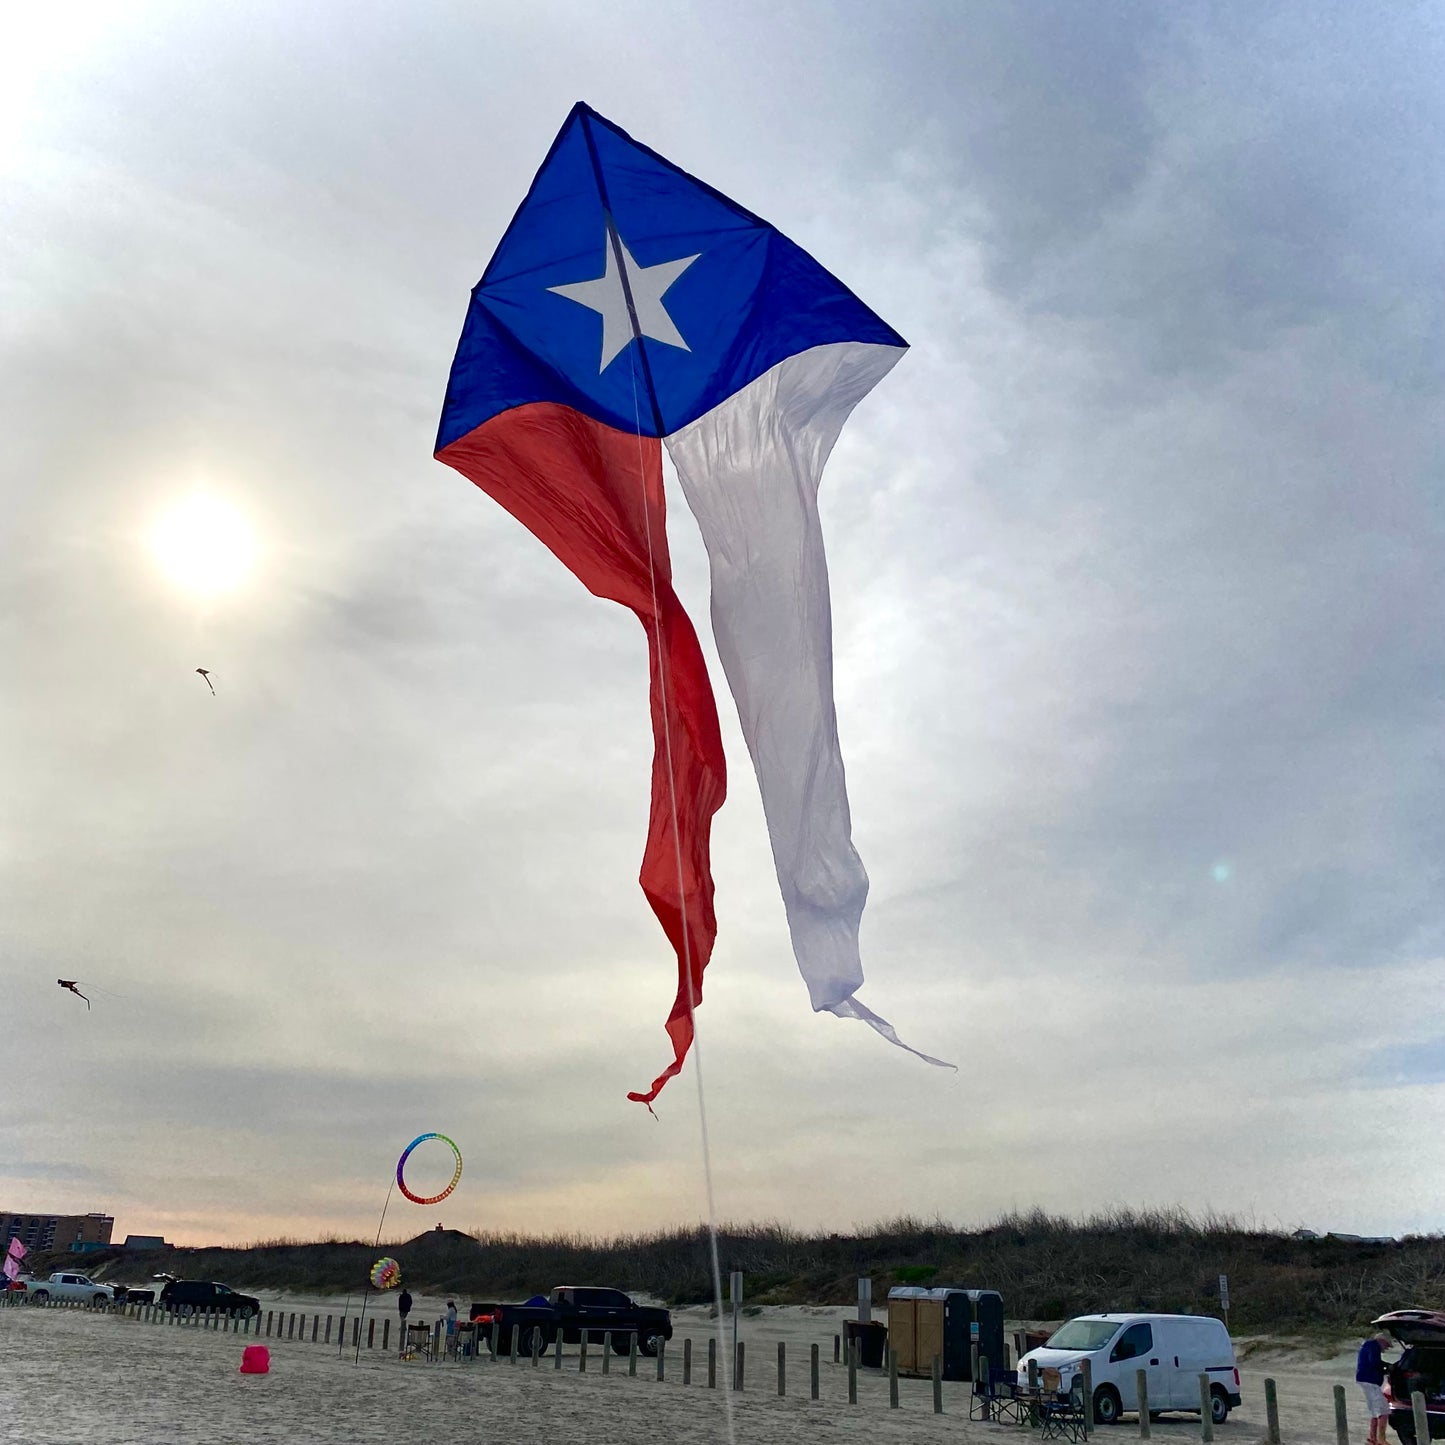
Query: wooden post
[[356, 1333], [582, 1355], [1206, 1415], [937, 1385], [1422, 1418], [661, 1359], [1271, 1411], [1141, 1392], [385, 1332], [291, 1327], [712, 1362], [687, 1361], [328, 1330], [607, 1352], [268, 1324], [557, 1351], [738, 1364], [371, 1333], [632, 1353], [892, 1379], [837, 1348], [1342, 1420], [813, 1372], [516, 1343], [1086, 1368], [852, 1372], [782, 1368], [536, 1345]]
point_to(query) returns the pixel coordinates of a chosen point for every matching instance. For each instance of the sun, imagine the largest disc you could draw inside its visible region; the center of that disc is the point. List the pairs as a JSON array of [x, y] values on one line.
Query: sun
[[204, 544]]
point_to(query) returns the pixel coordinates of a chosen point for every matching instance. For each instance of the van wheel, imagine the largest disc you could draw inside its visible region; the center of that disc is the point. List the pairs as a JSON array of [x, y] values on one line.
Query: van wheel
[[1218, 1406], [1107, 1405]]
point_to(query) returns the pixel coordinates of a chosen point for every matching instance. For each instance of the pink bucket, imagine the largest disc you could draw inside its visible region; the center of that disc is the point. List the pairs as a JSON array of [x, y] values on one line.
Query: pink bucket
[[255, 1360]]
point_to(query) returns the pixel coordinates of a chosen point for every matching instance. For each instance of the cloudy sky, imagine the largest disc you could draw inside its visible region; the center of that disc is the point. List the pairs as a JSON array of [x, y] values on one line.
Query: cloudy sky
[[1137, 568]]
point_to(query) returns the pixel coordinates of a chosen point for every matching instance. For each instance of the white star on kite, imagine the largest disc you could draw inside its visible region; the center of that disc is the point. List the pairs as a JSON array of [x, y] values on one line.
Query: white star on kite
[[606, 297]]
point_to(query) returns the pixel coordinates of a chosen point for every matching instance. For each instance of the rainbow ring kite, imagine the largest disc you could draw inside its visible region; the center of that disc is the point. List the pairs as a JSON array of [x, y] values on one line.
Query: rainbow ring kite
[[385, 1273], [406, 1154]]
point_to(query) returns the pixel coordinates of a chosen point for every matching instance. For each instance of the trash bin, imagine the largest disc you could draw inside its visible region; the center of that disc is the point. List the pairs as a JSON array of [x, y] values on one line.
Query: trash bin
[[872, 1338]]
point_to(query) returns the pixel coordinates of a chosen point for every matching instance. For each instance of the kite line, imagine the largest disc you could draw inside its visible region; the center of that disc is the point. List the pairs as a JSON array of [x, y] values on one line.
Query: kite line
[[638, 360]]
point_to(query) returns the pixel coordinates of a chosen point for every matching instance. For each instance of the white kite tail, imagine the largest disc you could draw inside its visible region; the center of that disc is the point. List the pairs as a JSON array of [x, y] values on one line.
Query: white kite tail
[[750, 470]]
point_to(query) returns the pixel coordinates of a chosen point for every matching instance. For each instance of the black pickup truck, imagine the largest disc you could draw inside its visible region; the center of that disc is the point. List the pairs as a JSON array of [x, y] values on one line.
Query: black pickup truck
[[569, 1313]]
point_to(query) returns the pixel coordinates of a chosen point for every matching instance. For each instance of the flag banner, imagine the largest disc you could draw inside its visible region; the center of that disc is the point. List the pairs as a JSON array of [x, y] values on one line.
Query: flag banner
[[630, 305]]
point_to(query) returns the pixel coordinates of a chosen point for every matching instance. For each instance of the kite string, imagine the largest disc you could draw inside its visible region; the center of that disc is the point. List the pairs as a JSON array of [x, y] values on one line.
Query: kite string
[[729, 1375], [365, 1299]]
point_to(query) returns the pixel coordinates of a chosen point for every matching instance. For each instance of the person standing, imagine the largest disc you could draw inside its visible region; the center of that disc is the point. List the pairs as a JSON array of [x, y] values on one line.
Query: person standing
[[451, 1327], [1370, 1376], [403, 1308]]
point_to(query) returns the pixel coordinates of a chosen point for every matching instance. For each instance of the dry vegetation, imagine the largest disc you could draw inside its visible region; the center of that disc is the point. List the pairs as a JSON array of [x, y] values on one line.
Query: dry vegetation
[[1046, 1267]]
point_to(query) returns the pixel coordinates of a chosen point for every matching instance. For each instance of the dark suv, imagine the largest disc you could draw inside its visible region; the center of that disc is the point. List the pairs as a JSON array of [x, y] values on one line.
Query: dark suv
[[1421, 1367], [193, 1296]]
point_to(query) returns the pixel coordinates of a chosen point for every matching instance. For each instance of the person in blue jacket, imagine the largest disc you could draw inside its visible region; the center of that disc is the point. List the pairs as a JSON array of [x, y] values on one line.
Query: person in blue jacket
[[1370, 1376]]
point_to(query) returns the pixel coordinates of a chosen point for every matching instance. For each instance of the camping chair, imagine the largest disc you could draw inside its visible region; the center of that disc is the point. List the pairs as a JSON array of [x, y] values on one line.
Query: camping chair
[[1061, 1416], [995, 1397], [418, 1340]]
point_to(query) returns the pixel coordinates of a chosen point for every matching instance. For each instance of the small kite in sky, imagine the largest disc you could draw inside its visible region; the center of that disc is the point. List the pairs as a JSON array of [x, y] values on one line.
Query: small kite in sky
[[630, 305], [205, 673], [71, 984]]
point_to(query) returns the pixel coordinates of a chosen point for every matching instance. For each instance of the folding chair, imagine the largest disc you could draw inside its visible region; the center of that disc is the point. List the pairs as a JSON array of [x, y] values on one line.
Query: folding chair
[[1061, 1416]]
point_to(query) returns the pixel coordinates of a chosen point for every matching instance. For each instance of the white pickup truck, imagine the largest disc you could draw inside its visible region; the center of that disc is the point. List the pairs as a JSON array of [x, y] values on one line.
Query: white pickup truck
[[63, 1285]]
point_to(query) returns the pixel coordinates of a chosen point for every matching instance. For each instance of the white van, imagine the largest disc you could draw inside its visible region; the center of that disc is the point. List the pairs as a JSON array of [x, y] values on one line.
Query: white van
[[1172, 1350]]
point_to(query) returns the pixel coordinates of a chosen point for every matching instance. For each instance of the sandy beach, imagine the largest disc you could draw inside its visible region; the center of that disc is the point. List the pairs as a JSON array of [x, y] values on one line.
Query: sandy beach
[[113, 1380]]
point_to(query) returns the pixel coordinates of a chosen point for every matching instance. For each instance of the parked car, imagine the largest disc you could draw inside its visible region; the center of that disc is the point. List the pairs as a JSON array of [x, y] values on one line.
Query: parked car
[[1172, 1350], [568, 1313], [1421, 1367], [192, 1296], [67, 1285]]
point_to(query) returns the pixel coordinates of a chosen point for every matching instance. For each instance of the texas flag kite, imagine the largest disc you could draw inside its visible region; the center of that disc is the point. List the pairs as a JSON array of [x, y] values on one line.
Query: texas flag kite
[[629, 305]]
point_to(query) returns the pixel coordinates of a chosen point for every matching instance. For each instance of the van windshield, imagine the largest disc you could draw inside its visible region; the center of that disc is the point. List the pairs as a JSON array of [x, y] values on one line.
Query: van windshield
[[1082, 1335]]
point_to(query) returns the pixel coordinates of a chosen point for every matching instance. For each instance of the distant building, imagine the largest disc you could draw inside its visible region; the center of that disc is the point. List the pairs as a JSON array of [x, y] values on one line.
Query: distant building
[[144, 1241], [56, 1231]]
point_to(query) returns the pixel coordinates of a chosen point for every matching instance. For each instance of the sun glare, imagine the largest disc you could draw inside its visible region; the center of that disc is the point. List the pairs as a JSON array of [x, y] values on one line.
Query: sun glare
[[204, 544]]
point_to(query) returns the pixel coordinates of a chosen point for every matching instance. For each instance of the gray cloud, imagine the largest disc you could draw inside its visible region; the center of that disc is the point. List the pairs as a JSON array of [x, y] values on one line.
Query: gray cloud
[[1136, 565]]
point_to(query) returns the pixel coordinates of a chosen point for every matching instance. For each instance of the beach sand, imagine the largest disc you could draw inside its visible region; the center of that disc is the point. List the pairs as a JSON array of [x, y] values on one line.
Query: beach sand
[[111, 1380]]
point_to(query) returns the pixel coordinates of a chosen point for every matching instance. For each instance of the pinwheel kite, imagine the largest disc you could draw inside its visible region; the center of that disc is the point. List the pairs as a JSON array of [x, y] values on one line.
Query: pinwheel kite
[[628, 305]]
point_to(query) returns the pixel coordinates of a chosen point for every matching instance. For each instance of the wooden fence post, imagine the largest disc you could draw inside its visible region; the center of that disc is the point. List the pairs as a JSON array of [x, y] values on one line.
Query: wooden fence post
[[536, 1345], [582, 1355], [1271, 1411], [712, 1362], [356, 1333], [1342, 1420], [837, 1348], [687, 1361], [328, 1330], [661, 1357], [813, 1354], [607, 1352], [782, 1368], [557, 1351], [291, 1327], [852, 1372], [892, 1379], [1086, 1368], [268, 1324], [1422, 1418], [1206, 1414], [371, 1333], [1141, 1394], [937, 1373], [632, 1353], [385, 1332], [739, 1366], [516, 1344]]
